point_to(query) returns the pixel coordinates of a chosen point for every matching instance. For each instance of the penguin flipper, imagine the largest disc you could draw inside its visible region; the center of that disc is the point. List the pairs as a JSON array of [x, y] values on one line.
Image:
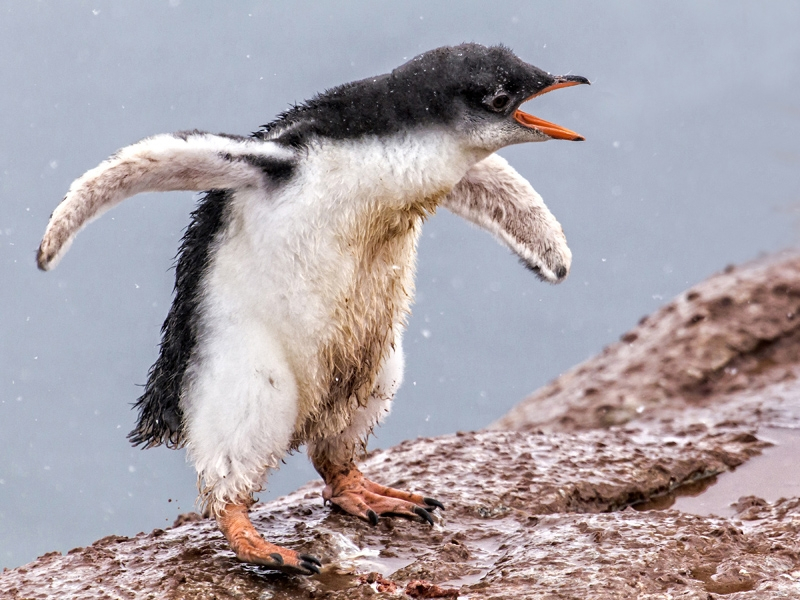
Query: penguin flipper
[[495, 197], [189, 160]]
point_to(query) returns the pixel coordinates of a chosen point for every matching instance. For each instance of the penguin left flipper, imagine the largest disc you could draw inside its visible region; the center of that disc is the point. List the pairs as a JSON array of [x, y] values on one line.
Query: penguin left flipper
[[348, 489], [249, 546], [495, 197]]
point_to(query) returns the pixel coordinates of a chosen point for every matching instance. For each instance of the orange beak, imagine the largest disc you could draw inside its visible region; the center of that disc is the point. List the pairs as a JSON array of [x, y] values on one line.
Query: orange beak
[[551, 129]]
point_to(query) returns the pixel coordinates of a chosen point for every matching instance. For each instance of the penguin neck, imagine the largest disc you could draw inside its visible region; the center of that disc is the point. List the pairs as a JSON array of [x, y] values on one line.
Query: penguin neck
[[395, 171]]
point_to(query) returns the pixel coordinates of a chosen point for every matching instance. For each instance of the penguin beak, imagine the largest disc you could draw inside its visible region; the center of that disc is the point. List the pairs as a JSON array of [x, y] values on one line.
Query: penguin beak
[[551, 129]]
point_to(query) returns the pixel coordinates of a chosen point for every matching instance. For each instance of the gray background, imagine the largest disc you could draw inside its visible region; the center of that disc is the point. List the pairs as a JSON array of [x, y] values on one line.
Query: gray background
[[692, 162]]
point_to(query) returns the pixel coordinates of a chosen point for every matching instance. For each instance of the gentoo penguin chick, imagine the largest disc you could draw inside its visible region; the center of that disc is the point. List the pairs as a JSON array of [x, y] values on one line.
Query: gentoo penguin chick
[[296, 273]]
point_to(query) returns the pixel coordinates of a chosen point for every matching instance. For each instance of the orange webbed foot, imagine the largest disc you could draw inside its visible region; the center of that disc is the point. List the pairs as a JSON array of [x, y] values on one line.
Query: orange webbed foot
[[249, 546], [355, 494]]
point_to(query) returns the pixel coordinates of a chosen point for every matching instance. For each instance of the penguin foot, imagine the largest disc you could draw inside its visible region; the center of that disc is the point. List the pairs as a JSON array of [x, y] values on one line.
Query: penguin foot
[[249, 546], [355, 494]]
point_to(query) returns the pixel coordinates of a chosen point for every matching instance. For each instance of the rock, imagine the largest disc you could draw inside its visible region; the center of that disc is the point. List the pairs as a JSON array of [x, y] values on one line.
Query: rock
[[544, 510], [525, 511], [736, 332]]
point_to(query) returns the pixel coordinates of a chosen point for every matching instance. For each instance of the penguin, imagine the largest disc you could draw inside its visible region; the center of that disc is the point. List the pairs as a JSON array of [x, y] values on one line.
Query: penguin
[[295, 276]]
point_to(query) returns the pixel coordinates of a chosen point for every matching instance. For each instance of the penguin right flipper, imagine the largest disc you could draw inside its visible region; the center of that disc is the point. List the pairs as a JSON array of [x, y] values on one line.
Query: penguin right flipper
[[188, 160], [495, 197]]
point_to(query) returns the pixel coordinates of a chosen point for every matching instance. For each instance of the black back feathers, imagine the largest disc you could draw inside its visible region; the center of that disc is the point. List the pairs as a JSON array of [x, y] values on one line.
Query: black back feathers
[[435, 88], [160, 415]]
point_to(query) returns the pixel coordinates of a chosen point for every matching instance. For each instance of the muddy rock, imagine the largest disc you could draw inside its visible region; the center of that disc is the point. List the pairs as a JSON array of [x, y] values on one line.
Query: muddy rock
[[558, 500], [731, 335], [527, 513]]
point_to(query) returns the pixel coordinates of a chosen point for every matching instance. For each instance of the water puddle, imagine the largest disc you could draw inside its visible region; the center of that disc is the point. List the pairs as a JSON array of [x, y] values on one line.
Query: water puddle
[[471, 579], [772, 475], [364, 560], [687, 490], [383, 565]]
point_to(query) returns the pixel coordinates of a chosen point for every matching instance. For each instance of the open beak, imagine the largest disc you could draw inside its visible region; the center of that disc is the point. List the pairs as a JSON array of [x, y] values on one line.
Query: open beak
[[551, 129]]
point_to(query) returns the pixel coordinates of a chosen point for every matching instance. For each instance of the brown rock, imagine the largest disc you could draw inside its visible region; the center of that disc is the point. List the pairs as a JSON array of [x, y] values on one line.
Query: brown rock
[[736, 331], [426, 589], [544, 511]]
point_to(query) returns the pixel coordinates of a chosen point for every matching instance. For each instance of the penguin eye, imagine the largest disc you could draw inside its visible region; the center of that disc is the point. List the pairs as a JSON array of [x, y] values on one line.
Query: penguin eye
[[499, 102]]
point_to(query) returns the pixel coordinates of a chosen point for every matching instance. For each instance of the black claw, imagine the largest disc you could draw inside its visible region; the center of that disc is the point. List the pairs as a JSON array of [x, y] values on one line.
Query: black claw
[[310, 567], [310, 559], [277, 558], [433, 503], [373, 517], [426, 516]]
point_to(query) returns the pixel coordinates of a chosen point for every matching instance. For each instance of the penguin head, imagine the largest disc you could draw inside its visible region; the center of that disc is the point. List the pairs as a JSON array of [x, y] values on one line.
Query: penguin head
[[478, 91], [470, 89]]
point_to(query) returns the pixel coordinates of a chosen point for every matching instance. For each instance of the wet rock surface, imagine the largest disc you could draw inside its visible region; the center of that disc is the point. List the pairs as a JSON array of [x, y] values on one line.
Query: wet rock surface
[[528, 513], [547, 510], [718, 344]]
